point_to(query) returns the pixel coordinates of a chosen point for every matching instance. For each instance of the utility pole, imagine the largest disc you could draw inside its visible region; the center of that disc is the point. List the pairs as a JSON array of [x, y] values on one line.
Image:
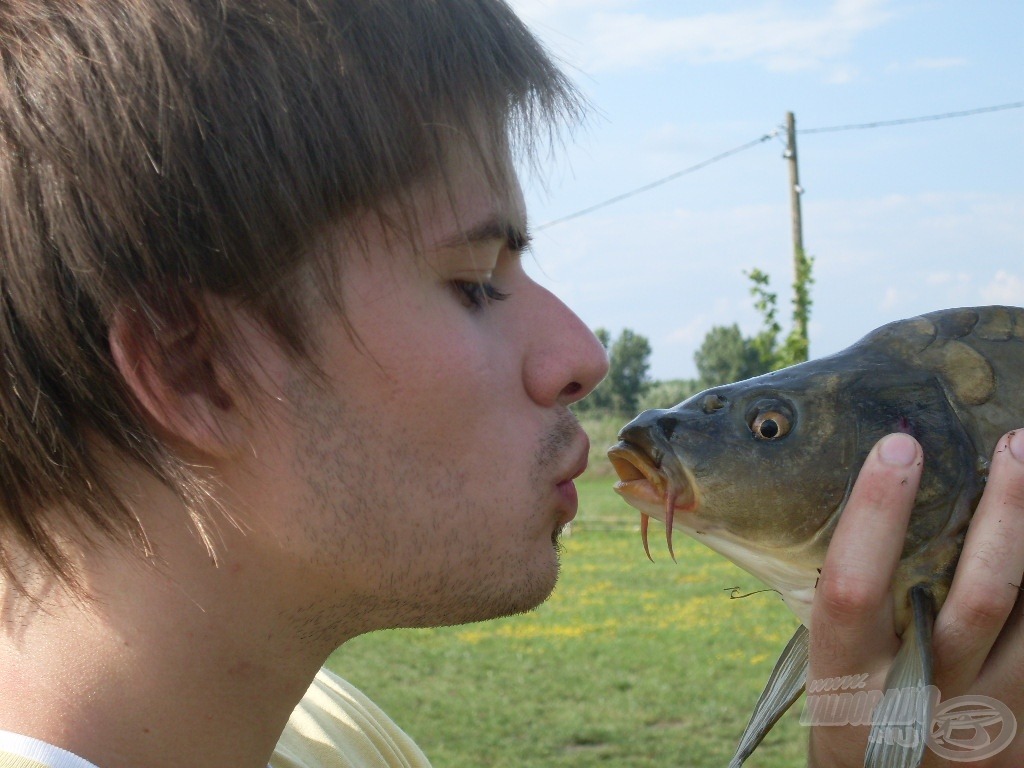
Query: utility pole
[[794, 188], [799, 258]]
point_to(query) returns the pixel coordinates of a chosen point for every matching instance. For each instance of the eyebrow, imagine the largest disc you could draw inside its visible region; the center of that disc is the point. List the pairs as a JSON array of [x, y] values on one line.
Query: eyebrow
[[495, 228]]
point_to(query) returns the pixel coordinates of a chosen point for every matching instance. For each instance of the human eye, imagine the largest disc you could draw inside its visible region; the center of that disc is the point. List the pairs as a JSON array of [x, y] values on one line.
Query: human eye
[[477, 294]]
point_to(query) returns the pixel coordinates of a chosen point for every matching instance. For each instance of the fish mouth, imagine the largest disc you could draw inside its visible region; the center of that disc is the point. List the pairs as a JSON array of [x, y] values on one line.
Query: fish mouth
[[654, 486]]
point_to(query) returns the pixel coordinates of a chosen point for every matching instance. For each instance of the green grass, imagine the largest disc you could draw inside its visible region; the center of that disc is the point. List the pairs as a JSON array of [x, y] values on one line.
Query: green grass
[[629, 664]]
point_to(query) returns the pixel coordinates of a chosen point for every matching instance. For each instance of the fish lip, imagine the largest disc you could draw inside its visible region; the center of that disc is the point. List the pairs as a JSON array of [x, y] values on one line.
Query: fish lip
[[640, 480], [641, 477], [638, 471], [631, 464]]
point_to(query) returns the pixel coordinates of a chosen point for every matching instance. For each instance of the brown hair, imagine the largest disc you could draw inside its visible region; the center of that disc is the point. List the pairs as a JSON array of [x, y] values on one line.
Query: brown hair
[[154, 150]]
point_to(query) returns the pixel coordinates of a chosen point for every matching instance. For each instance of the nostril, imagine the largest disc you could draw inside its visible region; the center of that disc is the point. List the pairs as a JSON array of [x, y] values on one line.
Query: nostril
[[713, 402], [667, 425], [572, 388]]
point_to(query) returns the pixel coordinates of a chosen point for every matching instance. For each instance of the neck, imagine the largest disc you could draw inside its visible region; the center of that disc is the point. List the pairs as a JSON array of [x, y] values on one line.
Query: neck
[[149, 670]]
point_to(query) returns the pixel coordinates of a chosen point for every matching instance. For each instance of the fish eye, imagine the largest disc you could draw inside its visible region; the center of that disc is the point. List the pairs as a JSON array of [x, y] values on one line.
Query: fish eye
[[770, 425]]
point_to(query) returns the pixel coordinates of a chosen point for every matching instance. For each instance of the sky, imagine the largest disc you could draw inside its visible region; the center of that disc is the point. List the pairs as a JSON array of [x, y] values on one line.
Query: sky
[[900, 220]]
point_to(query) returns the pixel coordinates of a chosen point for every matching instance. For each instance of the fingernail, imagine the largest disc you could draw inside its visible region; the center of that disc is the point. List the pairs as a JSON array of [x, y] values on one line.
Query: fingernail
[[1017, 445], [898, 450]]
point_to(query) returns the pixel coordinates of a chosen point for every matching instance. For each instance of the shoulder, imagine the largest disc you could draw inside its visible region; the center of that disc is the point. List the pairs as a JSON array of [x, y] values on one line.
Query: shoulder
[[335, 726]]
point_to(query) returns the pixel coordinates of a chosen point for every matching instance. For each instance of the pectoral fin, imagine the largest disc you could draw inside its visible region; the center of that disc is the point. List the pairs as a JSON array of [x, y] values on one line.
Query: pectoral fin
[[901, 722], [783, 688]]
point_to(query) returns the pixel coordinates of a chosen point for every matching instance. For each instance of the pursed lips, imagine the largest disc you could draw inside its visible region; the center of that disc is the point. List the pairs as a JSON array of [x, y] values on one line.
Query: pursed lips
[[566, 487]]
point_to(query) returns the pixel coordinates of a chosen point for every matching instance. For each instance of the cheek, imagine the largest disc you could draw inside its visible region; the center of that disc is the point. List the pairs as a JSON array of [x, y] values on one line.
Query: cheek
[[456, 384], [436, 400]]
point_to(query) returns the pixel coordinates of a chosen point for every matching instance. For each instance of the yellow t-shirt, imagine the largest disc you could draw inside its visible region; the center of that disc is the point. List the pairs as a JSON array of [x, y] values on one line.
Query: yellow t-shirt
[[336, 726], [10, 760]]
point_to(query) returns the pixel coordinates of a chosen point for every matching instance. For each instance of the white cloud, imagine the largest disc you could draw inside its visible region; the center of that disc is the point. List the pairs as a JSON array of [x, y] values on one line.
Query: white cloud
[[891, 300], [1005, 288], [780, 35], [951, 62], [691, 333], [842, 75], [948, 62], [945, 278]]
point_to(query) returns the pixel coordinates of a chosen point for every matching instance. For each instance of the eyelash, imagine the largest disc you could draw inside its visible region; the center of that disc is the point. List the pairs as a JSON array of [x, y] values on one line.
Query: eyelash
[[478, 295], [518, 242]]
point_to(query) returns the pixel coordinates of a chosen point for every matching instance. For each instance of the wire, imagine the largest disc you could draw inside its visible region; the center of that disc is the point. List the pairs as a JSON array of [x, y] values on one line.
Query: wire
[[768, 137], [908, 120], [659, 182]]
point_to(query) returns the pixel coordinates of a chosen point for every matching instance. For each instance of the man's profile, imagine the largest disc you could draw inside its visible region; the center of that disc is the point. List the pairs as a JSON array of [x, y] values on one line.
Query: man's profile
[[272, 374]]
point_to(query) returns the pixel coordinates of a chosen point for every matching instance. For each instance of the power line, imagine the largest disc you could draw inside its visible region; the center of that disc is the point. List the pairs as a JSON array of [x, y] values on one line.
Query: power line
[[767, 137], [908, 120], [659, 182]]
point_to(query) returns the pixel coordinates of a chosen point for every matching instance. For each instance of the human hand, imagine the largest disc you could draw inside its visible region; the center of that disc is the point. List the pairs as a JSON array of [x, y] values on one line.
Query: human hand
[[978, 638]]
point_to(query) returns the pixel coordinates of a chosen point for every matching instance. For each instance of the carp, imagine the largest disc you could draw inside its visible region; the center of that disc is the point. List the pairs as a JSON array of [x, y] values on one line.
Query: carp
[[760, 471]]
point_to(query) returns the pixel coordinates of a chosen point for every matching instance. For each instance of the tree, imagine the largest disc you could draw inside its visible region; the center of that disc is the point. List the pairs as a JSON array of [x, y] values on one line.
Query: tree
[[765, 343], [627, 373], [726, 355], [797, 347], [627, 380]]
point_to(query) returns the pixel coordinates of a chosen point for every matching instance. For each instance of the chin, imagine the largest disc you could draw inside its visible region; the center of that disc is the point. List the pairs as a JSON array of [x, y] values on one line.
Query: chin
[[527, 589], [533, 588], [515, 580]]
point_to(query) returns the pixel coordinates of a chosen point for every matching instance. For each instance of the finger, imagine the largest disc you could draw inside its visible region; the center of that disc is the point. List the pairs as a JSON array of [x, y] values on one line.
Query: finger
[[852, 619], [852, 629], [1002, 674], [987, 581]]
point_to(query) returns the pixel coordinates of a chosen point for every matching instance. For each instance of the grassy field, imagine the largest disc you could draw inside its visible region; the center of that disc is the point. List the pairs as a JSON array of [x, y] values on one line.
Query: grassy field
[[629, 664]]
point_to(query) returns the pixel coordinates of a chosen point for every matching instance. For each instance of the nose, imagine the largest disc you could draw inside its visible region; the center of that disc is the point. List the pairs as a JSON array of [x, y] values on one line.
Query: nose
[[565, 361]]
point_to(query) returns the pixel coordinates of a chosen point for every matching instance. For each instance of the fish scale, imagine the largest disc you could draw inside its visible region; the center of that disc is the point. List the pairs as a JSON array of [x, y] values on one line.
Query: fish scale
[[761, 470]]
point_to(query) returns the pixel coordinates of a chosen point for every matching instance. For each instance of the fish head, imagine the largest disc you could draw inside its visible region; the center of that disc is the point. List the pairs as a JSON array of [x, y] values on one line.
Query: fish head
[[760, 470], [745, 459]]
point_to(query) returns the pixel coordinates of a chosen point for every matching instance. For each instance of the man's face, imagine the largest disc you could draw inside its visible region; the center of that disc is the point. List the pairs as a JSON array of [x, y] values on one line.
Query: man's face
[[426, 480]]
